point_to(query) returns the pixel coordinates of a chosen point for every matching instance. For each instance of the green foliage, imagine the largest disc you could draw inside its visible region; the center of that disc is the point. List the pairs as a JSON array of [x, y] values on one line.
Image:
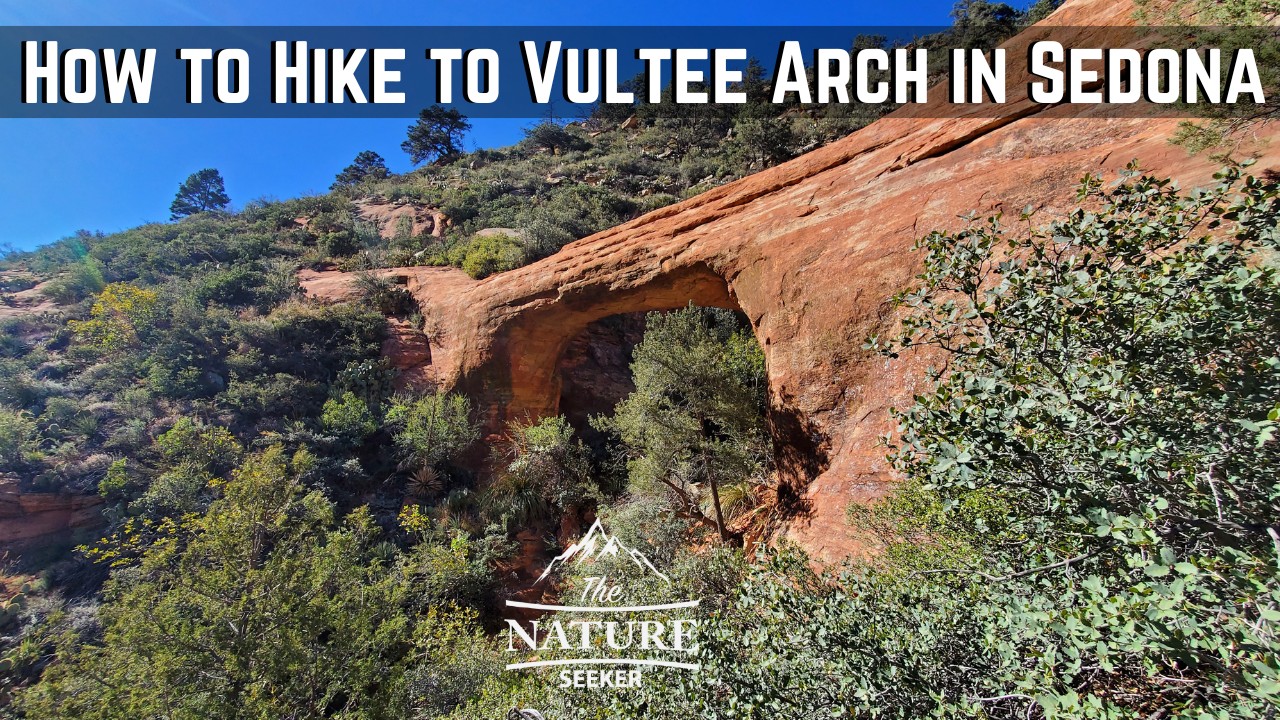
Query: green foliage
[[348, 417], [762, 142], [18, 437], [1087, 531], [202, 191], [1114, 384], [244, 285], [545, 473], [193, 444], [436, 136], [696, 419], [195, 456], [385, 295], [10, 612], [458, 660], [551, 137], [114, 486], [489, 254], [1228, 25], [260, 608], [368, 165], [641, 523], [432, 429], [454, 570], [120, 316], [64, 419], [983, 24], [78, 281]]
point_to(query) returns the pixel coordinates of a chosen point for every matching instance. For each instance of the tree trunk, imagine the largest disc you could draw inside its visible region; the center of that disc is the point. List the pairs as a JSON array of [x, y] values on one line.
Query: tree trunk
[[715, 500]]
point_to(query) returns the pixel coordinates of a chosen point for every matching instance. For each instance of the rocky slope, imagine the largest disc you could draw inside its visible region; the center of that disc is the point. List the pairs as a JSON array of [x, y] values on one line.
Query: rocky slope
[[811, 251]]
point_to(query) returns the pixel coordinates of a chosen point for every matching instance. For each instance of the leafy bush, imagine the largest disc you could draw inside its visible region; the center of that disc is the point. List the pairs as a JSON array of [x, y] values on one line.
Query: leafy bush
[[457, 663], [382, 293], [119, 317], [263, 608], [545, 472], [78, 281], [1118, 386], [235, 286], [489, 254], [348, 417], [432, 429], [18, 437], [209, 448]]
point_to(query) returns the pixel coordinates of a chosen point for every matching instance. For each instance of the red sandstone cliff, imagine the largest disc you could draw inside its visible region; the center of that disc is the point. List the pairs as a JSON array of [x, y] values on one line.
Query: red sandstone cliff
[[30, 519], [811, 251]]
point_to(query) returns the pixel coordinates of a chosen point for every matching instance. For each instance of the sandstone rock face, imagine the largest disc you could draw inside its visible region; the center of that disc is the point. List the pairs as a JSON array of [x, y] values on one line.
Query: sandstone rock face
[[42, 518], [811, 251], [419, 220]]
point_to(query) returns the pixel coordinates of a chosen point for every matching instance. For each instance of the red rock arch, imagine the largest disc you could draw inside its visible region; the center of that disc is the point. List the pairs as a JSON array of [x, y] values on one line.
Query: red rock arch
[[811, 251]]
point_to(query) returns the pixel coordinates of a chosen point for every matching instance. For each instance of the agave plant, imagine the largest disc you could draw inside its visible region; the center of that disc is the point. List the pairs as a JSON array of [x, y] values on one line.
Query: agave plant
[[425, 482]]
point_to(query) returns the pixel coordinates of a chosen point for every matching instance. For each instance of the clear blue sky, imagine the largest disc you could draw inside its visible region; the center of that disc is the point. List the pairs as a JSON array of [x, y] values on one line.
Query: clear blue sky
[[57, 176]]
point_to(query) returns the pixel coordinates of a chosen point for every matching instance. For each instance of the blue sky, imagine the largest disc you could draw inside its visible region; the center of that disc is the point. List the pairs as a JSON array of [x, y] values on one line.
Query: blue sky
[[57, 176]]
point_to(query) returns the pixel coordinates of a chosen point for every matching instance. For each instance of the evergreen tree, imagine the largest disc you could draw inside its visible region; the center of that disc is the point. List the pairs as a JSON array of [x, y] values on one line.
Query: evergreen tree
[[367, 165], [202, 191], [436, 136], [695, 423]]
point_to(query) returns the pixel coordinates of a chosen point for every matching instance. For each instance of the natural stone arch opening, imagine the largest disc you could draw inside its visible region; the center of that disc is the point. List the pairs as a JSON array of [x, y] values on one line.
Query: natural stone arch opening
[[595, 372], [523, 377]]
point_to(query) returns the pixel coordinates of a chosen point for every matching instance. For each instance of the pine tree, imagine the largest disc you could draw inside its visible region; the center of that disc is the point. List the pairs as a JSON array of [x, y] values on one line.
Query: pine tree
[[436, 136], [201, 192], [367, 165]]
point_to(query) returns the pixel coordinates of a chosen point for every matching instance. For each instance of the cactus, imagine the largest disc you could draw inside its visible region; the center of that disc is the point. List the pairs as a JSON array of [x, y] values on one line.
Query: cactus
[[11, 608]]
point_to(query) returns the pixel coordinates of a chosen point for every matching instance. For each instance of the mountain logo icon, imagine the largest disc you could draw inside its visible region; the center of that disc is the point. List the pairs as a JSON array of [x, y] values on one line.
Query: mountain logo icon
[[599, 545], [605, 628]]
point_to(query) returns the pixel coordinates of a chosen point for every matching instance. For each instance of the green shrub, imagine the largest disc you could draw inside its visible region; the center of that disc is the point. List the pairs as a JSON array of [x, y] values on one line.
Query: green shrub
[[457, 663], [491, 254], [115, 485], [181, 490], [78, 281], [432, 429], [190, 443], [18, 437], [695, 421], [235, 286], [120, 317], [384, 295], [544, 472], [545, 235], [348, 417], [265, 606]]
